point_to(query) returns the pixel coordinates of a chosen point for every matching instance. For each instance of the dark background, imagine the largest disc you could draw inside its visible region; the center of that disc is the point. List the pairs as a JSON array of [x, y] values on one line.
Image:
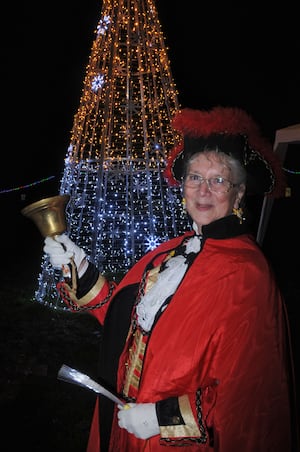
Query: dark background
[[230, 53], [221, 53]]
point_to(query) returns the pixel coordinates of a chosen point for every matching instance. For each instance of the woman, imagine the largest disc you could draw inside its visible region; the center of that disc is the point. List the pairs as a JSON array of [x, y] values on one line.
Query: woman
[[194, 336]]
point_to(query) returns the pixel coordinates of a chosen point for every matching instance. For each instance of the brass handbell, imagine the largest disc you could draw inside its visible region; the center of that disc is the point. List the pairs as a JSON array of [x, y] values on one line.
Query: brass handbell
[[48, 214]]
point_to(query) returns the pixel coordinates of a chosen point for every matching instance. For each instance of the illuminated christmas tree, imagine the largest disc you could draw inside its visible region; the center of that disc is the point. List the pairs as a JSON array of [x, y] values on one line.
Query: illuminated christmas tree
[[120, 205]]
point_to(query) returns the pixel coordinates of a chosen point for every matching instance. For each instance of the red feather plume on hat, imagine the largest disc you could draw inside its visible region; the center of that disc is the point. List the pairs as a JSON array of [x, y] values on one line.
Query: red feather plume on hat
[[230, 121]]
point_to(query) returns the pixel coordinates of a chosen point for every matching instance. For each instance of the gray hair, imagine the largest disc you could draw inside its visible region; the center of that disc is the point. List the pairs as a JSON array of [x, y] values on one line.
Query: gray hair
[[235, 166]]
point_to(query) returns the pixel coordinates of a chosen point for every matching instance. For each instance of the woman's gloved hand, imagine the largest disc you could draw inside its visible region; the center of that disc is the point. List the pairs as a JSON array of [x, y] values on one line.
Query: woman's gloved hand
[[61, 250], [140, 419]]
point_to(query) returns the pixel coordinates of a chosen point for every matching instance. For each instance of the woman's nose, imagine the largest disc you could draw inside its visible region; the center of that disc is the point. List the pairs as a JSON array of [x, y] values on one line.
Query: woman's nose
[[204, 187]]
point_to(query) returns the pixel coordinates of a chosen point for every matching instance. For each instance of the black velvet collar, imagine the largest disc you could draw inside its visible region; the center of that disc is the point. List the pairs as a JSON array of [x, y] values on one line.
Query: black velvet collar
[[225, 228]]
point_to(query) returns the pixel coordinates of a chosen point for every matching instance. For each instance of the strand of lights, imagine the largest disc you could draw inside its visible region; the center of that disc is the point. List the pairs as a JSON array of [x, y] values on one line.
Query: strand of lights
[[22, 187], [291, 171]]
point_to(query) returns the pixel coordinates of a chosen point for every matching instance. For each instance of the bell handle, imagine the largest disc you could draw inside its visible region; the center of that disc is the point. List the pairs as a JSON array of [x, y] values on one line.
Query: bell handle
[[70, 268]]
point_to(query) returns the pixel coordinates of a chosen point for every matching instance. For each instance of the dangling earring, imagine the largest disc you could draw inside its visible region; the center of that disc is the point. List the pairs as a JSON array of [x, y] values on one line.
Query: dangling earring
[[183, 202], [239, 213]]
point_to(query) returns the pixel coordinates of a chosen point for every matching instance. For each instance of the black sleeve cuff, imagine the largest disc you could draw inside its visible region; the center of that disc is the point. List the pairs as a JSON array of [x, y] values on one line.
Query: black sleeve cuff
[[168, 412], [87, 281]]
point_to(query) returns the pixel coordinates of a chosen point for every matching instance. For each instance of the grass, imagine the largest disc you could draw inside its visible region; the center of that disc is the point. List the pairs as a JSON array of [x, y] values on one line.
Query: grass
[[40, 412]]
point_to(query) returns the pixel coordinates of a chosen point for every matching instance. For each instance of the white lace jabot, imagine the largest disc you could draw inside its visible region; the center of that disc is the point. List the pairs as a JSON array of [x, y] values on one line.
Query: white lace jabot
[[166, 284]]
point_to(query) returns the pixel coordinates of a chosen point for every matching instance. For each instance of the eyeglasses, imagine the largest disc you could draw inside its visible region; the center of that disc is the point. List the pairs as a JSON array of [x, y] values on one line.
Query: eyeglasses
[[215, 184]]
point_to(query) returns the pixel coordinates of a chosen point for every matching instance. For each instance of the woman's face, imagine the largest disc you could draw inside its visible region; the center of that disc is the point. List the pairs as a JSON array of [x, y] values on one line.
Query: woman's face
[[203, 205]]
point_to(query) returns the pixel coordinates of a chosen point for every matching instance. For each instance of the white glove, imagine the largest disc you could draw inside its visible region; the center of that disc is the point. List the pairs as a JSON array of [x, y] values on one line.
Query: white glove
[[140, 419], [61, 250]]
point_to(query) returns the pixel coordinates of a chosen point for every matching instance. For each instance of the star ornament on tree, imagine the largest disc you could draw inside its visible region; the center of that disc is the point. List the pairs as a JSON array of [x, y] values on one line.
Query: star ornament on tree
[[103, 25], [98, 82], [151, 242]]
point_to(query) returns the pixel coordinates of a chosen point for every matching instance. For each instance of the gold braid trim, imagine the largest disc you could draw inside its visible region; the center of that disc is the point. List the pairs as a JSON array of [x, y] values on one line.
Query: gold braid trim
[[191, 426], [188, 429], [77, 304], [134, 363]]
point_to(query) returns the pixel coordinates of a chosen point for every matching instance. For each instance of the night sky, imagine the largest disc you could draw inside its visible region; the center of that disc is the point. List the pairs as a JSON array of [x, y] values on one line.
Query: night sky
[[228, 53]]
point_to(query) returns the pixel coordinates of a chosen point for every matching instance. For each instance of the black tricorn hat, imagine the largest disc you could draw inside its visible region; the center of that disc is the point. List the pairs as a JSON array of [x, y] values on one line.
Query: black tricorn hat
[[232, 131]]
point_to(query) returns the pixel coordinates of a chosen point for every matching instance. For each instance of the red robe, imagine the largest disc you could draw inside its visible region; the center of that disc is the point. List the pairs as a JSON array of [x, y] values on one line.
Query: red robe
[[223, 337]]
